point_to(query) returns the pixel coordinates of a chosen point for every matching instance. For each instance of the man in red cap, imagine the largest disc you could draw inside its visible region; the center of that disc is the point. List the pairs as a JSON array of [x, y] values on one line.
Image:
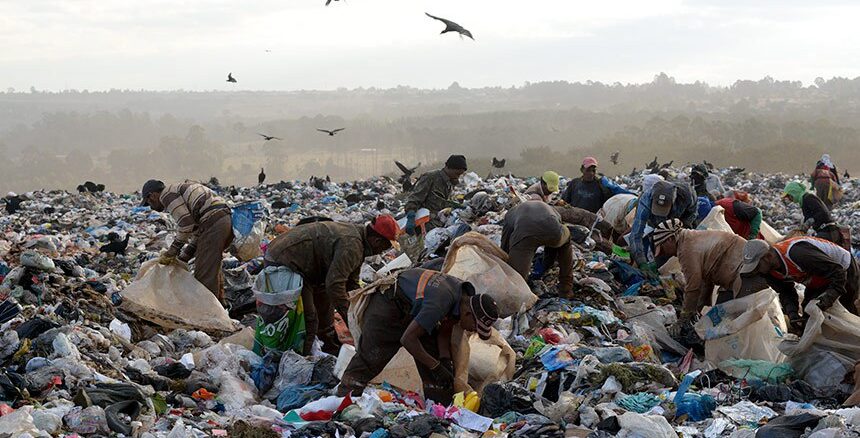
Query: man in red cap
[[591, 190], [328, 256]]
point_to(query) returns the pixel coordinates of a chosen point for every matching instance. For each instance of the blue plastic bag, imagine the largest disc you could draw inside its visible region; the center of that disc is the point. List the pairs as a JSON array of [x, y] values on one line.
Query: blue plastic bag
[[245, 216], [697, 407]]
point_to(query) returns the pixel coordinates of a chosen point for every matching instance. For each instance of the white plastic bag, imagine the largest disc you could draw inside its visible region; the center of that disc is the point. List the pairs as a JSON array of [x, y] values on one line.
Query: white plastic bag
[[278, 286], [715, 220], [750, 327], [248, 246], [478, 363], [171, 297]]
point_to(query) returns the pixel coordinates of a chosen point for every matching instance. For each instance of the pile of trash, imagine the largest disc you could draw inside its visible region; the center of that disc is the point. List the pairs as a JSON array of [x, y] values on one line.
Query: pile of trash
[[97, 343]]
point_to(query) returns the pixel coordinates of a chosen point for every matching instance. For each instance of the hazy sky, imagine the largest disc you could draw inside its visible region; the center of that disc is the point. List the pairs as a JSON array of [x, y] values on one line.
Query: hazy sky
[[193, 44]]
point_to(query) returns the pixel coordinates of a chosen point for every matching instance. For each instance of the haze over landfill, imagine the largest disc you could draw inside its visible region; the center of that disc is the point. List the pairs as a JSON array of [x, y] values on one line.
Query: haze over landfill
[[119, 92]]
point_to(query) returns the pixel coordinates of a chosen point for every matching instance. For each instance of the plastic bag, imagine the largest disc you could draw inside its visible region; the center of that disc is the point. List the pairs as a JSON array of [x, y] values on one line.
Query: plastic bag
[[696, 406], [829, 347], [171, 297], [751, 327], [248, 230], [478, 362], [278, 285], [286, 333], [474, 258], [234, 393], [715, 220]]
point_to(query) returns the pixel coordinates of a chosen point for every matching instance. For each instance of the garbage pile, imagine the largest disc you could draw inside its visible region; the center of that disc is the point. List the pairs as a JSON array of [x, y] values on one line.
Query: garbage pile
[[88, 348]]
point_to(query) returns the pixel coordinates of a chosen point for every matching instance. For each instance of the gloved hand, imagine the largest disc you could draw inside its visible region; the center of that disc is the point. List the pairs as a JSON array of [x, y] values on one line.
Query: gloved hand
[[410, 223], [168, 257], [442, 376], [826, 300], [187, 253]]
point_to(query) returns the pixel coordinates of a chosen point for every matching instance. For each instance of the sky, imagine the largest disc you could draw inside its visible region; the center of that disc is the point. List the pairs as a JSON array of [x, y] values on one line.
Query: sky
[[302, 44]]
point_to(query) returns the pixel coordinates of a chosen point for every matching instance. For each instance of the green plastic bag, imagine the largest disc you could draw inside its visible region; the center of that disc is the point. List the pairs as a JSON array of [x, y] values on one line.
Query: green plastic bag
[[287, 333]]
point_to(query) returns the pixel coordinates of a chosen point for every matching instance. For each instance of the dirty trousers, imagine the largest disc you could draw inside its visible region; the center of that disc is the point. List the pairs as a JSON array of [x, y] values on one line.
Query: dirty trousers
[[521, 254], [215, 237], [383, 323], [319, 317]]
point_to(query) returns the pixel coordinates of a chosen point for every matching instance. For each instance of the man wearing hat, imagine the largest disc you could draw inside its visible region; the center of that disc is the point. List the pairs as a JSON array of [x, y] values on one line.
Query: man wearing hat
[[328, 255], [418, 313], [666, 200], [708, 258], [533, 224], [203, 228], [829, 272], [432, 191], [590, 190], [544, 188]]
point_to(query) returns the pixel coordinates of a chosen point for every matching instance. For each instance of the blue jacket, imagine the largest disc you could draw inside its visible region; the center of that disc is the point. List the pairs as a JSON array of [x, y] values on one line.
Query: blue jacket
[[685, 208]]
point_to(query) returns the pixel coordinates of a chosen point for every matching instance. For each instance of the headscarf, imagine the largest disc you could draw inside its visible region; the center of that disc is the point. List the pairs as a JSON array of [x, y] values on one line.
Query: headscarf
[[825, 159], [795, 190], [665, 230]]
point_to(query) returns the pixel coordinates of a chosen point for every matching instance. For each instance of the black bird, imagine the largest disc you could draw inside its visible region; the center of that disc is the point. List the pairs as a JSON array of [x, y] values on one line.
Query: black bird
[[406, 178], [846, 175], [327, 179], [92, 187], [230, 78], [82, 189], [327, 2], [332, 132], [451, 26], [654, 164], [261, 178], [115, 246], [614, 158], [708, 165], [269, 137], [633, 172], [666, 166], [498, 164], [100, 187]]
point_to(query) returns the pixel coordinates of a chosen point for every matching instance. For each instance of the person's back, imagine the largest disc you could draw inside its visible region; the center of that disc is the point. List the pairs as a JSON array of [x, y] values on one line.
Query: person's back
[[310, 249], [816, 211], [529, 219]]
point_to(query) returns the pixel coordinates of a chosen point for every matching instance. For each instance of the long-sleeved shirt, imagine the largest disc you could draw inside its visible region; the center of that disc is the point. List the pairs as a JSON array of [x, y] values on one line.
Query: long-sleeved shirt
[[431, 191], [591, 195], [581, 216], [191, 204], [684, 208], [536, 192], [824, 272], [815, 210], [708, 258], [744, 218], [531, 219], [329, 253]]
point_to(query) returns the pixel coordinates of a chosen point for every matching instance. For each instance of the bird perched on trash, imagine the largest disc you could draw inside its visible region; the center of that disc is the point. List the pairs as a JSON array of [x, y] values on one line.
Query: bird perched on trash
[[633, 172], [653, 165], [708, 165], [261, 178], [498, 164], [115, 246], [82, 189], [846, 175], [451, 26], [92, 187], [332, 132], [269, 137], [406, 178], [614, 158], [667, 165], [230, 78]]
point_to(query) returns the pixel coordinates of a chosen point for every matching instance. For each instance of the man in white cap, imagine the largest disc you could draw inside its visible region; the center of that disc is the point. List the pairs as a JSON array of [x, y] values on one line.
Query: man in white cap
[[829, 272], [708, 258], [590, 190]]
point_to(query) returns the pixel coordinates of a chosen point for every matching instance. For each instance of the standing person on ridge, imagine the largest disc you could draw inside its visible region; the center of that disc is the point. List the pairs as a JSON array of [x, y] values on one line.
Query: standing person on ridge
[[590, 190], [432, 191]]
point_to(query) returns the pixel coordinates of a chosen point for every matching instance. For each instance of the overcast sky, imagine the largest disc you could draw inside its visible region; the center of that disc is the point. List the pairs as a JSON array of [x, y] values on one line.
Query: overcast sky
[[193, 44]]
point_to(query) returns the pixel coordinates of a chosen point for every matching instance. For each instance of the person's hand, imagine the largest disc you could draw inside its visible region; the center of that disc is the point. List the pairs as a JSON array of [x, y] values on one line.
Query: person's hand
[[410, 223], [187, 253], [826, 300], [448, 364], [442, 376], [167, 257]]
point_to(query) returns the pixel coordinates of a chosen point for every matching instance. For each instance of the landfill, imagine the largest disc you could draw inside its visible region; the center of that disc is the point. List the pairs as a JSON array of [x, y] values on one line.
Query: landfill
[[88, 349]]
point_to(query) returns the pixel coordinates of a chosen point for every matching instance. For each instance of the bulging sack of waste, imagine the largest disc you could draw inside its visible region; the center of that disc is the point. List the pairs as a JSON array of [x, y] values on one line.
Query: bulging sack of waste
[[281, 320], [478, 363], [474, 258], [751, 327], [715, 220], [171, 297], [248, 230], [829, 347]]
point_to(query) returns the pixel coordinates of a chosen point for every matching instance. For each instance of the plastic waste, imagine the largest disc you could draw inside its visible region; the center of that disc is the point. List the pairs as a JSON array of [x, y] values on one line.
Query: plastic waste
[[32, 259], [121, 329], [18, 423], [248, 230], [697, 407], [644, 426], [87, 420]]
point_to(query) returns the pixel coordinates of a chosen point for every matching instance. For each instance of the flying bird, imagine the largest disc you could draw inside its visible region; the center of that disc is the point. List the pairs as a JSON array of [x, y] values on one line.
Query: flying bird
[[269, 137], [327, 2], [451, 26], [332, 132], [261, 178], [230, 78], [498, 164], [406, 178], [115, 246], [614, 158]]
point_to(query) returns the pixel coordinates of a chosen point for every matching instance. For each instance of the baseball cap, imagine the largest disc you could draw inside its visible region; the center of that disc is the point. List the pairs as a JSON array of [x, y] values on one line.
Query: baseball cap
[[150, 186], [486, 313], [385, 226], [662, 198], [588, 162], [551, 180], [754, 250]]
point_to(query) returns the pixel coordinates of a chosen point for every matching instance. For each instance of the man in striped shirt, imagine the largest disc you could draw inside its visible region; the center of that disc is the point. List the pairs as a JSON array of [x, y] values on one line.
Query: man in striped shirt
[[203, 228]]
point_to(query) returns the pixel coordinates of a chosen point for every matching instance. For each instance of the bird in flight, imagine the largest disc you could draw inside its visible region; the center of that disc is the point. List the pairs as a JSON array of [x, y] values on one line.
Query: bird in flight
[[451, 26], [230, 78], [406, 178], [614, 158], [261, 178], [498, 164], [332, 132], [327, 2], [269, 137]]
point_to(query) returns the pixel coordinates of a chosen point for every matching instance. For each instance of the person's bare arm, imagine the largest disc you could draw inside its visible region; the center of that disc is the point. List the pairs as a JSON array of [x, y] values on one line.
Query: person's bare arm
[[411, 341]]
